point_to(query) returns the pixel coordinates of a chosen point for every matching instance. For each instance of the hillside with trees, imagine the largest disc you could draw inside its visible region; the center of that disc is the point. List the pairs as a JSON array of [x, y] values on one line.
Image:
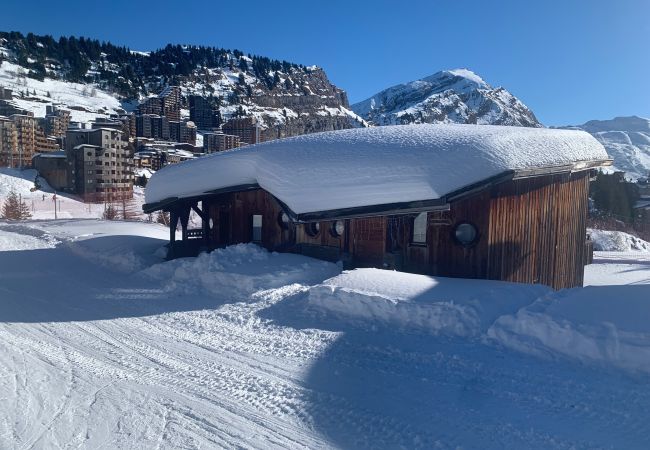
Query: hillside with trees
[[287, 98]]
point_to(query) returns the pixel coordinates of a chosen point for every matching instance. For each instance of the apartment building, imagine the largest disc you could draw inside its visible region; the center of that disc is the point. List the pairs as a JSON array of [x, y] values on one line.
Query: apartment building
[[182, 132], [20, 139], [167, 103], [218, 142], [101, 164], [8, 142], [56, 121], [204, 112], [246, 128]]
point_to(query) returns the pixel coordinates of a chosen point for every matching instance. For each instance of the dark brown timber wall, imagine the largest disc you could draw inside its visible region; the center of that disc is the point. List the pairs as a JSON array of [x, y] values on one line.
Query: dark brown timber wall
[[531, 230], [537, 230]]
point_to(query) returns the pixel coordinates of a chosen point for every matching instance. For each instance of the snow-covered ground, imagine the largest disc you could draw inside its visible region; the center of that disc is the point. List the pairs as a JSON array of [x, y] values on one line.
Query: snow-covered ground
[[104, 345], [41, 203]]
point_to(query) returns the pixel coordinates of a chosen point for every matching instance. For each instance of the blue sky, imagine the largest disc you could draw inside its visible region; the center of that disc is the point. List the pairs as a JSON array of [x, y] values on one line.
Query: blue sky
[[569, 61]]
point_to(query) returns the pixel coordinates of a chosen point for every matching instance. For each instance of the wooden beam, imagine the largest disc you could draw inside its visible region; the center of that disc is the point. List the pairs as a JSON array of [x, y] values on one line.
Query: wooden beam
[[185, 219], [200, 213]]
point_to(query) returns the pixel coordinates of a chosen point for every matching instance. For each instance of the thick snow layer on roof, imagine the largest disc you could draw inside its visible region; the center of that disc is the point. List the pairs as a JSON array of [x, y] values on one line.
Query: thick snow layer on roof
[[375, 166]]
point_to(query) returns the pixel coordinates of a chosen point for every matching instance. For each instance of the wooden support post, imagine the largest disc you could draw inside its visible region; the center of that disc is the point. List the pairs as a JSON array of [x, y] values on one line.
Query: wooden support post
[[185, 219], [173, 222], [206, 230]]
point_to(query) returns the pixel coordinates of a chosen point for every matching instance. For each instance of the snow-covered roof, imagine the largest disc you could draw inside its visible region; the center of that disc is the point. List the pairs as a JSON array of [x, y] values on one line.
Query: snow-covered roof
[[376, 166], [55, 154]]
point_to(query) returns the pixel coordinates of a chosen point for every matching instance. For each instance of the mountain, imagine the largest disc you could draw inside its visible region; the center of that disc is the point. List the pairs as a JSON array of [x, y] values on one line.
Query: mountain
[[457, 96], [627, 140], [97, 79]]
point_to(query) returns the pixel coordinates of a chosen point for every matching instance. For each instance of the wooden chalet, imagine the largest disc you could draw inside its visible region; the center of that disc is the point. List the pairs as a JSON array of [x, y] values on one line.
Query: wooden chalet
[[471, 201]]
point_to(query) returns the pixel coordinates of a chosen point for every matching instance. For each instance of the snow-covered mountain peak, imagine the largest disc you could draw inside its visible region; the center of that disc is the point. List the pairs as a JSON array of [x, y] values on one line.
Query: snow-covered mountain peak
[[627, 140], [448, 96], [625, 123], [457, 79]]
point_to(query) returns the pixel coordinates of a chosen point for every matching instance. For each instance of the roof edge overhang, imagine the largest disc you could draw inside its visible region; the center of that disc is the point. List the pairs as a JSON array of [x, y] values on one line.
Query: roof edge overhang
[[417, 206], [577, 166]]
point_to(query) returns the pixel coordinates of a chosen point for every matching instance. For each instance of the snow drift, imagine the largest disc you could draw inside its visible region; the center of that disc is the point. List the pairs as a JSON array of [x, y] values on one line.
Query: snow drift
[[238, 271], [599, 324], [617, 241], [457, 307]]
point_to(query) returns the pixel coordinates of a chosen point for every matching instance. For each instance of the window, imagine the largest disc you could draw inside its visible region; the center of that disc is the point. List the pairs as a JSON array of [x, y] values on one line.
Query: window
[[465, 234], [257, 228], [420, 229], [283, 220], [312, 229], [337, 228]]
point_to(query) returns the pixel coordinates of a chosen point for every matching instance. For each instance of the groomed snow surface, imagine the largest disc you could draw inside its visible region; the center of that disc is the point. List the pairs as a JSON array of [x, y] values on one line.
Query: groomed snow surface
[[375, 166], [105, 345]]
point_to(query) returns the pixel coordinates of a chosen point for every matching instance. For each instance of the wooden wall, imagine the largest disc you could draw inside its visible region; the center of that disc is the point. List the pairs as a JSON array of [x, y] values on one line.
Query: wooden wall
[[537, 230], [232, 214], [530, 230]]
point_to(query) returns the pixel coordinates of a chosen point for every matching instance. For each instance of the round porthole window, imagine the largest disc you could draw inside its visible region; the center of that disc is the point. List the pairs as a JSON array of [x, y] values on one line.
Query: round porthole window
[[337, 229], [465, 234], [312, 229], [283, 220]]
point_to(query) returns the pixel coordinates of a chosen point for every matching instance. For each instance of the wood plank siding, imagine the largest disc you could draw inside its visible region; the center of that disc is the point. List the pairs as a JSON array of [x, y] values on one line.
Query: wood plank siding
[[530, 230]]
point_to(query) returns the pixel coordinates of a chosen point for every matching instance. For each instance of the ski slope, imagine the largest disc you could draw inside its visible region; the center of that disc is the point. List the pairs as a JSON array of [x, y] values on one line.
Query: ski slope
[[104, 345]]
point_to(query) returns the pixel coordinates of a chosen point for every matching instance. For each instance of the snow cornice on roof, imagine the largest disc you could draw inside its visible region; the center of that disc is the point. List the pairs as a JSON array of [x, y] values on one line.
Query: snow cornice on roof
[[380, 169]]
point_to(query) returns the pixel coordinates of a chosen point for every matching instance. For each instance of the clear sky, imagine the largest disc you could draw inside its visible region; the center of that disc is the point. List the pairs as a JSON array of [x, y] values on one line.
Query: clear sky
[[570, 61]]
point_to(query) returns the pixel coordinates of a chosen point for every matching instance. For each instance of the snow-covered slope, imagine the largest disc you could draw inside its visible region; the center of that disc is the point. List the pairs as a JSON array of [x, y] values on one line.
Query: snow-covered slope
[[627, 140], [287, 99], [85, 101], [450, 96], [105, 345], [40, 200]]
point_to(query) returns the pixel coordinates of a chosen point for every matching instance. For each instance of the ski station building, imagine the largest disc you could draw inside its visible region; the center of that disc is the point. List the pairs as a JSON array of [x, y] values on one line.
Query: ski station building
[[470, 201]]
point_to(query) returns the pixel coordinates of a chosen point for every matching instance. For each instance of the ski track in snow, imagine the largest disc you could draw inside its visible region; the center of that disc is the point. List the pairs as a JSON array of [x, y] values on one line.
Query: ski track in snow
[[133, 362]]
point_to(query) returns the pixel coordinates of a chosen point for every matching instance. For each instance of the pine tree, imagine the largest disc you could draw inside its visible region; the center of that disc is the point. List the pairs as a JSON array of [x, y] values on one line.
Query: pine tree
[[14, 208], [110, 212]]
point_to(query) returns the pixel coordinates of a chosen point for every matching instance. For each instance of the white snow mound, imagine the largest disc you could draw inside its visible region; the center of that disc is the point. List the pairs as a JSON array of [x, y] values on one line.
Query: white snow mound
[[375, 166], [435, 305], [617, 241], [599, 324], [238, 271]]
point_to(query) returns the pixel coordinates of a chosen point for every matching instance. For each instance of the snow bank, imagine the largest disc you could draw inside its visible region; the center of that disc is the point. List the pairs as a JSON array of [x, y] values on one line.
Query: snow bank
[[119, 253], [238, 271], [10, 241], [457, 307], [617, 241], [375, 166], [602, 324]]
